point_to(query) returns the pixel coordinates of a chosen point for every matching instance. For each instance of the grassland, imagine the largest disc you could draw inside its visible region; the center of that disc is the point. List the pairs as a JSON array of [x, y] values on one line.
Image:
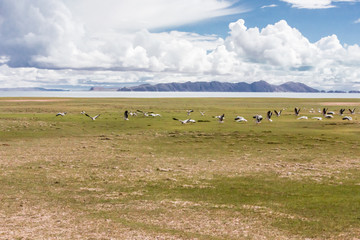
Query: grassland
[[154, 178]]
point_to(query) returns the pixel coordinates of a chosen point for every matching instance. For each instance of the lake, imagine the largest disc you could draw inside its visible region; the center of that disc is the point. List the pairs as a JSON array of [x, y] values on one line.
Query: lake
[[96, 94]]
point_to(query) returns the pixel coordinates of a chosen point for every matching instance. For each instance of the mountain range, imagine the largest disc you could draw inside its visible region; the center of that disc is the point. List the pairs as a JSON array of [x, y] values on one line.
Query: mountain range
[[259, 86]]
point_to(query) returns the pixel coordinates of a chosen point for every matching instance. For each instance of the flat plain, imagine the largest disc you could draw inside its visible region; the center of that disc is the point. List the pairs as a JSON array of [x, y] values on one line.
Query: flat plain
[[154, 178]]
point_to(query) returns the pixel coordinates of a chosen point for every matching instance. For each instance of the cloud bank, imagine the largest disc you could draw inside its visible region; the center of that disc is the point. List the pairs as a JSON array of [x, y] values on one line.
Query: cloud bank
[[93, 33], [56, 43]]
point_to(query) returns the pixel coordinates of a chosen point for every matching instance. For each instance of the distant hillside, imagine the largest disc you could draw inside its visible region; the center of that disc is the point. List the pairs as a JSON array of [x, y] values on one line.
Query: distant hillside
[[260, 86], [103, 89]]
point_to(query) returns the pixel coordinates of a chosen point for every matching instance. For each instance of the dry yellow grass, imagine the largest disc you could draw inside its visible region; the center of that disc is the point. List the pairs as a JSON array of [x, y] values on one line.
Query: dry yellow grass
[[124, 180]]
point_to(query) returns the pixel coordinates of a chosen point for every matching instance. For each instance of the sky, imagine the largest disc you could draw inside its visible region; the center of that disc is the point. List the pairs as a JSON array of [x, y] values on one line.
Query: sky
[[77, 44]]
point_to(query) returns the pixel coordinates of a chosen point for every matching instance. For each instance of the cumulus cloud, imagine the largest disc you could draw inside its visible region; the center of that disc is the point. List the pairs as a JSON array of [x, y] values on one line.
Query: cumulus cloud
[[277, 44], [30, 28], [282, 52], [52, 42], [62, 34]]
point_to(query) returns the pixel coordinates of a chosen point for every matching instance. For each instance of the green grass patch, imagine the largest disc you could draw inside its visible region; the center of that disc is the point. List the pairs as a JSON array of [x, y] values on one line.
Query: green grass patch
[[317, 208], [298, 177]]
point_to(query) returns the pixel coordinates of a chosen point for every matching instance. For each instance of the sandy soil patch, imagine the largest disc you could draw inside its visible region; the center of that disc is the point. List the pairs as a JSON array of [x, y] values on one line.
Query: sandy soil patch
[[195, 218], [42, 221]]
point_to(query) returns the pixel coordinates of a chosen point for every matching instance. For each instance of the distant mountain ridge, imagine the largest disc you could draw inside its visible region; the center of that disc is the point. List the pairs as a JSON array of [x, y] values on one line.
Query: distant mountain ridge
[[259, 86]]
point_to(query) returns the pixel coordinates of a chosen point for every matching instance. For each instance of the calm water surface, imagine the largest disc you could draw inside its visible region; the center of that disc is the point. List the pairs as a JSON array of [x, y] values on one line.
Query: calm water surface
[[94, 94]]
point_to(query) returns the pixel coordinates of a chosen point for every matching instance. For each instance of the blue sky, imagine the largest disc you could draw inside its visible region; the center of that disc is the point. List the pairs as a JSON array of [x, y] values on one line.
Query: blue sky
[[313, 23], [80, 43]]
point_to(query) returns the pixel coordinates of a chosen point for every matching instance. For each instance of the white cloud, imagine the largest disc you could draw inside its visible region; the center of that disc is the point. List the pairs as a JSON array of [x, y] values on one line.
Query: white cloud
[[317, 4], [148, 14], [310, 4], [277, 44], [100, 34], [51, 42], [279, 53], [30, 28], [357, 21], [269, 6]]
